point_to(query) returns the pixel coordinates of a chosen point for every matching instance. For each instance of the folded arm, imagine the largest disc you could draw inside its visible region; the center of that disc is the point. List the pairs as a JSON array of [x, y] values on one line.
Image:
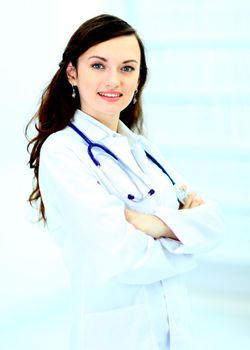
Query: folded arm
[[91, 226], [156, 227]]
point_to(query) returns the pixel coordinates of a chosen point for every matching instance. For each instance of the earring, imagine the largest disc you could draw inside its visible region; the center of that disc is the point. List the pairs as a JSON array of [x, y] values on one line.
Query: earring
[[134, 98], [73, 91]]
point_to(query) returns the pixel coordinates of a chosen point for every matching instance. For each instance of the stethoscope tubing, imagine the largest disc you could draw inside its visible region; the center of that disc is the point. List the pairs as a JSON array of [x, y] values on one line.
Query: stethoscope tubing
[[181, 194]]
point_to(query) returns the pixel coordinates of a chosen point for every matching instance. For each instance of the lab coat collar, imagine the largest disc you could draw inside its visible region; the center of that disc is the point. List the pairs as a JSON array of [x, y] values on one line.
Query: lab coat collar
[[97, 131], [125, 131]]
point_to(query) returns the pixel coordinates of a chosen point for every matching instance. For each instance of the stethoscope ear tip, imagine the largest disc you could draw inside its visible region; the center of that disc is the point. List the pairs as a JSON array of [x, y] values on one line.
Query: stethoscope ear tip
[[132, 197], [151, 192]]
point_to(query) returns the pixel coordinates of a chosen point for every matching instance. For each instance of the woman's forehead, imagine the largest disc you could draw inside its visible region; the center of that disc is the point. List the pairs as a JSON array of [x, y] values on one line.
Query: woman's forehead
[[124, 48]]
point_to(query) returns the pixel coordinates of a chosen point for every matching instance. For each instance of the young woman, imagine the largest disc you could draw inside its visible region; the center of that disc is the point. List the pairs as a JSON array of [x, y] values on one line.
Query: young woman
[[126, 228]]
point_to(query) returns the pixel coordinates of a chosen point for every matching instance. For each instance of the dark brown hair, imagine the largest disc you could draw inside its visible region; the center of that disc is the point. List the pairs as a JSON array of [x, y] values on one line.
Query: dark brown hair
[[57, 106]]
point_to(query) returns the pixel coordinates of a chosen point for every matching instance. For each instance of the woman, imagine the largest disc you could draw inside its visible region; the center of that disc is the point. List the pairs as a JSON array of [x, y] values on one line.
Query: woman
[[111, 200]]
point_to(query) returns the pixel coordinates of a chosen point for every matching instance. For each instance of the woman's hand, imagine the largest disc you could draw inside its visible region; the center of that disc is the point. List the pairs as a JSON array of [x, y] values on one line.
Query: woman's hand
[[150, 224], [192, 200]]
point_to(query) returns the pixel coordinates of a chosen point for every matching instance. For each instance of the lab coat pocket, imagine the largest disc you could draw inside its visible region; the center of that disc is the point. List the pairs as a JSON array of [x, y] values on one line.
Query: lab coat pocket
[[123, 329]]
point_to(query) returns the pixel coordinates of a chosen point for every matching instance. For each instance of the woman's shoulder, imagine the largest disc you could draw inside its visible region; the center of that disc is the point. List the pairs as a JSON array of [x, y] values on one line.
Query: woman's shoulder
[[61, 139], [63, 144]]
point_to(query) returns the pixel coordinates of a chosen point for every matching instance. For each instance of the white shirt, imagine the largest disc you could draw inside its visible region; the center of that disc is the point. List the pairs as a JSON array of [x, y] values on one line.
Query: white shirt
[[126, 286]]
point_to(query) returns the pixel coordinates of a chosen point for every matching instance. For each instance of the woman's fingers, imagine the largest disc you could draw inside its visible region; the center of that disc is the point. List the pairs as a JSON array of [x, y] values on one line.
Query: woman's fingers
[[197, 200], [192, 200], [188, 200]]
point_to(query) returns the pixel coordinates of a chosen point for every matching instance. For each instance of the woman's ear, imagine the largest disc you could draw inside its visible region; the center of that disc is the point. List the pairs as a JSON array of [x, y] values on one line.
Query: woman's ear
[[71, 74]]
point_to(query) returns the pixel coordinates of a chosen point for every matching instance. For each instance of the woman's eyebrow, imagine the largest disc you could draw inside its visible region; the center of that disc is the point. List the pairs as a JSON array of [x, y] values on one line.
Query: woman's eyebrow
[[98, 57], [105, 59], [129, 61]]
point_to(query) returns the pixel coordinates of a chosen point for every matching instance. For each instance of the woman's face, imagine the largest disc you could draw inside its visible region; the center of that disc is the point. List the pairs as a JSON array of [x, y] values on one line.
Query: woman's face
[[107, 76]]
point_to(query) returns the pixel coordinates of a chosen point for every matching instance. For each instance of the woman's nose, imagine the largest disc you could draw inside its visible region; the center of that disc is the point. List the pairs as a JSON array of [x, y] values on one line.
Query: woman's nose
[[112, 79]]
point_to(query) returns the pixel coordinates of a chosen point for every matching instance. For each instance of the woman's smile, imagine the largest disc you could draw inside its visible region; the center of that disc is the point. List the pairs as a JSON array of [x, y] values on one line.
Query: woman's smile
[[110, 96]]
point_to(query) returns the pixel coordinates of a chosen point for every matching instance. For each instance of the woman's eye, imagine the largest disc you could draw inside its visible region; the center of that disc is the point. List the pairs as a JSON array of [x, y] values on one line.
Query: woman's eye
[[128, 68], [97, 66]]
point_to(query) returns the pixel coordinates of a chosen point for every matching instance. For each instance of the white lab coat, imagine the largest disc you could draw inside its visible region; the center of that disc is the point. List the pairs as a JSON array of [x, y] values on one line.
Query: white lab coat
[[127, 291]]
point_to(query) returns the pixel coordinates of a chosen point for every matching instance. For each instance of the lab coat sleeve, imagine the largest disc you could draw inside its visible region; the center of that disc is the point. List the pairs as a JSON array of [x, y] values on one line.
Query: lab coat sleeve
[[198, 229], [90, 225]]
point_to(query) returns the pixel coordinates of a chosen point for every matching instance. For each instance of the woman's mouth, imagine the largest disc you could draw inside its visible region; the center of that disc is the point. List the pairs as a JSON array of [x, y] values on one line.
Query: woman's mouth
[[111, 96]]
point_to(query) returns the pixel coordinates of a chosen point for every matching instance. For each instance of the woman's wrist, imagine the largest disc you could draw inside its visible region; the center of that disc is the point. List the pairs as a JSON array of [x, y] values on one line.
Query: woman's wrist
[[165, 231]]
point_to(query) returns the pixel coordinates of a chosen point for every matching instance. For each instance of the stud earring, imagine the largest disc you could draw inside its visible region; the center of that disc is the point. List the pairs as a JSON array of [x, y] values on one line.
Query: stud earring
[[134, 98], [73, 91]]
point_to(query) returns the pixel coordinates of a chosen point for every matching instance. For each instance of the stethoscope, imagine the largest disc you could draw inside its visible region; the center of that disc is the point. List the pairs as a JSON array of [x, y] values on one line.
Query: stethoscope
[[180, 193]]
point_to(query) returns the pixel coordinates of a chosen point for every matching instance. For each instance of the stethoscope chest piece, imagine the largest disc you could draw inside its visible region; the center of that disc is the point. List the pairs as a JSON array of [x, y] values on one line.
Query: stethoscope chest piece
[[181, 194]]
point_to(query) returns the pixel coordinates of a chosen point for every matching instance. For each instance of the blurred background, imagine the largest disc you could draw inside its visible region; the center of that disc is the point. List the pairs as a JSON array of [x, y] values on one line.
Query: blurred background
[[197, 109]]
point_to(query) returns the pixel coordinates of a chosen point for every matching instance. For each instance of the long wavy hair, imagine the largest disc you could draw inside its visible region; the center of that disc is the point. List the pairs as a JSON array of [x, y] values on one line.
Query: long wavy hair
[[57, 106]]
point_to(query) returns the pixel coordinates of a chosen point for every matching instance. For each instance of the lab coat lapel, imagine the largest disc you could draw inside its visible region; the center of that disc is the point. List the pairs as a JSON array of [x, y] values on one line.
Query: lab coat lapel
[[99, 133], [117, 142], [120, 147], [126, 146]]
